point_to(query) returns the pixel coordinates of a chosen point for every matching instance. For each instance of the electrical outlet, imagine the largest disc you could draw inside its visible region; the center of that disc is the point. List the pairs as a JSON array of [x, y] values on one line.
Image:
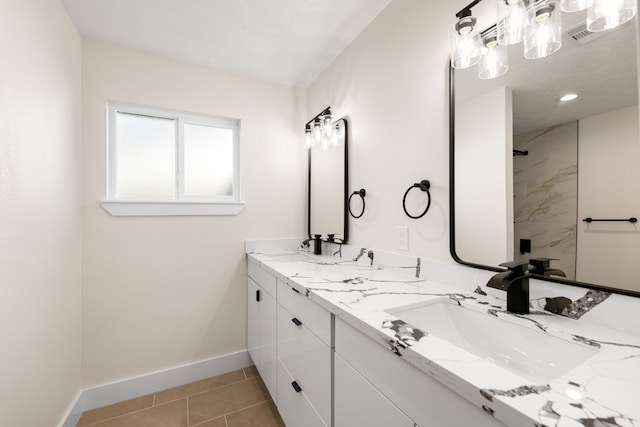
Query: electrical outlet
[[403, 237]]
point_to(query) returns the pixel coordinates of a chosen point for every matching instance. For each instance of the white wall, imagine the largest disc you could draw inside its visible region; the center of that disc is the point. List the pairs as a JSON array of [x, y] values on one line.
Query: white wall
[[160, 292], [392, 83], [40, 189], [609, 187], [484, 160]]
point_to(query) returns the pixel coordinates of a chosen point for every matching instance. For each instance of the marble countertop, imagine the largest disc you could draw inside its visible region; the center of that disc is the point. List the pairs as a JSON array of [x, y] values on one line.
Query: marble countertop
[[604, 390]]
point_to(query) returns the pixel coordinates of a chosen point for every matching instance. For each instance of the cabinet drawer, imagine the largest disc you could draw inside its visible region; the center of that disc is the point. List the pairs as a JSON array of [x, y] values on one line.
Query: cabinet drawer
[[358, 403], [314, 317], [308, 360], [421, 397], [294, 407], [265, 280]]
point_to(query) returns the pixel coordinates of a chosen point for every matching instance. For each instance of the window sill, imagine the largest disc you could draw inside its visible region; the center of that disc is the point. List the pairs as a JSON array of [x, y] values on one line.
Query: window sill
[[138, 208]]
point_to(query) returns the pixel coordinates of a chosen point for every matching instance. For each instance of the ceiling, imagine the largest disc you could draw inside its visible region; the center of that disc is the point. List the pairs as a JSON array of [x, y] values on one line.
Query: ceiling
[[285, 41]]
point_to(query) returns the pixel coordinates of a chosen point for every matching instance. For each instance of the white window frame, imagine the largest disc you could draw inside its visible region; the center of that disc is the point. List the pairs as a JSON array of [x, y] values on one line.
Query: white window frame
[[182, 205]]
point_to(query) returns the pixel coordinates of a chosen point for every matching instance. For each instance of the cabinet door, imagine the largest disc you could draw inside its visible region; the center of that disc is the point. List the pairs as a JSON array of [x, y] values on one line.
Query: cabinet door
[[267, 366], [253, 320], [261, 333], [358, 403], [418, 395]]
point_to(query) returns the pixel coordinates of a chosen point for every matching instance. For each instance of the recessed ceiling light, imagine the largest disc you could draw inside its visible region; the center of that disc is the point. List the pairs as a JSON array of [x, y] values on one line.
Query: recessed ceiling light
[[568, 97]]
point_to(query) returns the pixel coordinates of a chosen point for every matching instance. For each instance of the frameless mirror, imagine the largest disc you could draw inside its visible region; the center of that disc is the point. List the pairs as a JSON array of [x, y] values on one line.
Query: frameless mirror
[[328, 188], [527, 169]]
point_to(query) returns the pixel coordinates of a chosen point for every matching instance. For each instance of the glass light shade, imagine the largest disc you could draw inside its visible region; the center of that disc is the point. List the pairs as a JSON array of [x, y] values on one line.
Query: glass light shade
[[512, 20], [465, 44], [337, 138], [335, 142], [325, 143], [317, 132], [494, 62], [308, 138], [574, 5], [605, 15], [327, 126], [543, 34]]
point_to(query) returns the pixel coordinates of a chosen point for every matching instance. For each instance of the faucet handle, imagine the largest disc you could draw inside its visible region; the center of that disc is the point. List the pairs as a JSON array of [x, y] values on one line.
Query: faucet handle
[[542, 263], [542, 267], [517, 267]]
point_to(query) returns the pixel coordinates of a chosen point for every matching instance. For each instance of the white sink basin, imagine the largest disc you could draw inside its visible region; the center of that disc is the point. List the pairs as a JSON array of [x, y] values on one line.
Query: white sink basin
[[532, 354]]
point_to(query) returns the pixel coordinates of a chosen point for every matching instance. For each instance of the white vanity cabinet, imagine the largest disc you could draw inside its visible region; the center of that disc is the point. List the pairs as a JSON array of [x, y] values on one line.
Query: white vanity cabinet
[[261, 324], [423, 399], [289, 340], [324, 373], [304, 355]]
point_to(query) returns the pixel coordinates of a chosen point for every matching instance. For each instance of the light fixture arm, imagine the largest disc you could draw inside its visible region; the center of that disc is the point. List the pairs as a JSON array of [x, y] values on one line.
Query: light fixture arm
[[466, 11], [317, 116]]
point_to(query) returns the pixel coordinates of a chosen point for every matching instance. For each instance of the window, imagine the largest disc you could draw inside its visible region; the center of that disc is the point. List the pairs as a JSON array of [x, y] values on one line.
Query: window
[[165, 162]]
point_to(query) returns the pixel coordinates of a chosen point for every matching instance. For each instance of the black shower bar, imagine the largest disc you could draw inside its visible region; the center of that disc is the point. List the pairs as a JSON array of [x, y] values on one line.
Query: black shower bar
[[632, 220]]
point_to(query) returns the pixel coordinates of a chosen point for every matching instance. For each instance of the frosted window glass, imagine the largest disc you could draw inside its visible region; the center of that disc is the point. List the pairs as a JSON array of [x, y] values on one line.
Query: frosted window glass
[[145, 157], [208, 161]]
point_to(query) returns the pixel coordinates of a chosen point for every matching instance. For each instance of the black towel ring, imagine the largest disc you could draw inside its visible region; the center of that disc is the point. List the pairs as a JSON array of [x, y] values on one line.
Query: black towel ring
[[423, 185], [362, 192]]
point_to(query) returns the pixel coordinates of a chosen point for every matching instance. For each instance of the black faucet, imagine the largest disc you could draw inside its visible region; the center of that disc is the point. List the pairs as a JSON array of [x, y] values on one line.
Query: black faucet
[[317, 243], [516, 282], [542, 267]]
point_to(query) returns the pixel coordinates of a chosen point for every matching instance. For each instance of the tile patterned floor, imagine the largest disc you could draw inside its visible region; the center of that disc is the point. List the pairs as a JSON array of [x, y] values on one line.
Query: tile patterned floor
[[236, 399]]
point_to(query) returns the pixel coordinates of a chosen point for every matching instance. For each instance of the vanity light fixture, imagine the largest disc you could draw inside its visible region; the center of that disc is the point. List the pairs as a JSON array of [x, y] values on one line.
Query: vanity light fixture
[[543, 33], [465, 42], [512, 19], [605, 15], [322, 132], [494, 62], [574, 5], [536, 22]]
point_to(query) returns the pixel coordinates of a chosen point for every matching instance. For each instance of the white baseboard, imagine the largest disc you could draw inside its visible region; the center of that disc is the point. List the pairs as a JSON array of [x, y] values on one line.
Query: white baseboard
[[130, 388], [74, 413]]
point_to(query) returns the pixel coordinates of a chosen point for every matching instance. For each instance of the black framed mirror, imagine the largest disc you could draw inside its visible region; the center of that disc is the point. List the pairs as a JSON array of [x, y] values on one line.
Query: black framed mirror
[[526, 169], [328, 187]]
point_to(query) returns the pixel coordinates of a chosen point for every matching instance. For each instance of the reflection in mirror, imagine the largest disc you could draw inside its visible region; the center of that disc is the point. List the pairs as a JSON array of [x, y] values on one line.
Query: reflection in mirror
[[328, 187], [527, 168]]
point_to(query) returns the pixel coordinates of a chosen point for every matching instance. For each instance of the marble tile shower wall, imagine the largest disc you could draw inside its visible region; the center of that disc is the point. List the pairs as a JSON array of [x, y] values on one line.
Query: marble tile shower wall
[[545, 188]]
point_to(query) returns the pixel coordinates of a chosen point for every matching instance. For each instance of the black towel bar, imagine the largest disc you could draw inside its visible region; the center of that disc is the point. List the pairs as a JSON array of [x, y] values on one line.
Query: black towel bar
[[632, 220]]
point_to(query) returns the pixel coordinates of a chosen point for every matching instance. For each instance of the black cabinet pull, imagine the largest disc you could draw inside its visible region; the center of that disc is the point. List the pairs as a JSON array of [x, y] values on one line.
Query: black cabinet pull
[[296, 387], [296, 321], [258, 295], [295, 290]]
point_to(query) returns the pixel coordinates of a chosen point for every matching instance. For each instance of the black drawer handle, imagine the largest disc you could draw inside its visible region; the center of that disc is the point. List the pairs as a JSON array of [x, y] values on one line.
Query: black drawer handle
[[258, 295], [295, 290], [296, 387], [296, 321]]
